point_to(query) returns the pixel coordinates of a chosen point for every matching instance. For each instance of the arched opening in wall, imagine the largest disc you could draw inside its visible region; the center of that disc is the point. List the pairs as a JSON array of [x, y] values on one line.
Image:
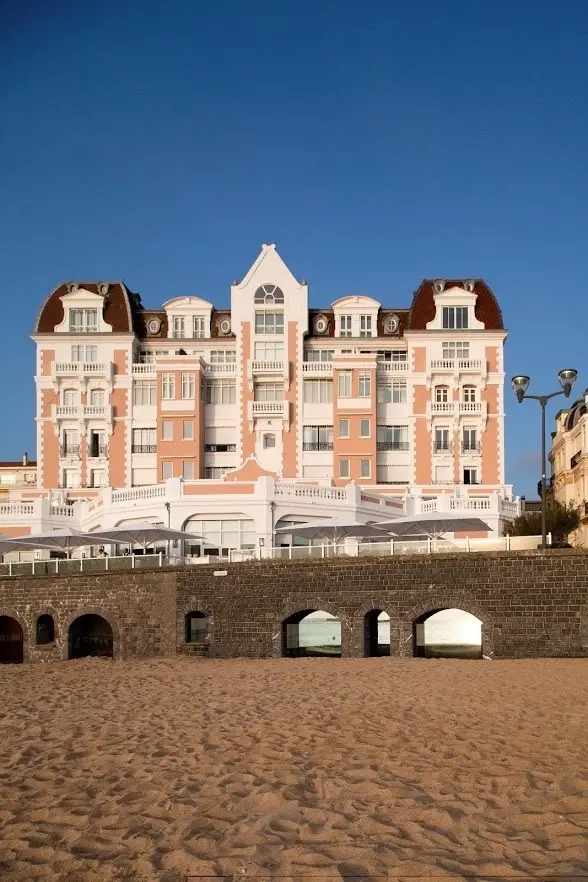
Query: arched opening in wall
[[376, 631], [311, 634], [195, 627], [447, 633], [11, 641], [45, 631], [90, 635]]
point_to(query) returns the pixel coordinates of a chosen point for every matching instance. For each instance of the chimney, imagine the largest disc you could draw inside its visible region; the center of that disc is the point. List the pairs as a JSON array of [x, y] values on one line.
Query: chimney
[[25, 459]]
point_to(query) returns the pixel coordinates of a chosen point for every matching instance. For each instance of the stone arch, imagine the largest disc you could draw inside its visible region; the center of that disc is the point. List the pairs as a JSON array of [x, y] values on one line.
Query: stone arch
[[106, 614], [440, 602], [363, 627], [194, 605], [307, 605], [15, 654]]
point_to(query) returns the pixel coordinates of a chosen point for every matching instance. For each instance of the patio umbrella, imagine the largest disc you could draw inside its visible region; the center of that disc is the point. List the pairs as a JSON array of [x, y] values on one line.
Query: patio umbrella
[[142, 534], [65, 539], [432, 524], [334, 530], [12, 543]]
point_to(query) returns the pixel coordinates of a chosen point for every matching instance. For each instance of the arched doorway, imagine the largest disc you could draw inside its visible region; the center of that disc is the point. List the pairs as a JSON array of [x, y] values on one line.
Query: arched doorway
[[311, 634], [45, 632], [195, 627], [90, 635], [11, 641], [447, 633], [376, 633]]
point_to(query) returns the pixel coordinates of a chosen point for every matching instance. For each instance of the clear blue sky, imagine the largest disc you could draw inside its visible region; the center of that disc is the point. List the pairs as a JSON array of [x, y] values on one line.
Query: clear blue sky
[[376, 143]]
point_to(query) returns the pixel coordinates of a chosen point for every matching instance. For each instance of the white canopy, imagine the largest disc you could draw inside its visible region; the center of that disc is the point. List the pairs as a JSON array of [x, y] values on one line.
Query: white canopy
[[143, 534], [12, 543], [65, 539], [432, 524], [335, 529]]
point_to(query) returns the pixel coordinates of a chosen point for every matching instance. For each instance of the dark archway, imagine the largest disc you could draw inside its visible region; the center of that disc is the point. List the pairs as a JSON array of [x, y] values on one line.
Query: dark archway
[[195, 627], [90, 635], [45, 631], [11, 641], [311, 633], [447, 632], [376, 633]]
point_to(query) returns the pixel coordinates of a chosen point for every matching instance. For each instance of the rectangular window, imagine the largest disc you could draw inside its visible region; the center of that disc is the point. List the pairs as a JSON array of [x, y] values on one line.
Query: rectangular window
[[198, 329], [84, 353], [269, 321], [269, 350], [394, 392], [441, 394], [188, 430], [216, 473], [442, 442], [167, 430], [317, 438], [187, 386], [343, 468], [167, 470], [97, 478], [318, 354], [453, 350], [269, 440], [343, 428], [469, 439], [168, 387], [344, 381], [144, 440], [70, 398], [188, 470], [268, 392], [470, 476], [392, 355], [144, 392], [220, 392], [318, 391], [97, 398], [455, 317], [365, 326], [345, 326], [392, 438], [223, 356], [364, 468], [83, 321], [365, 385], [364, 428], [178, 327], [71, 478]]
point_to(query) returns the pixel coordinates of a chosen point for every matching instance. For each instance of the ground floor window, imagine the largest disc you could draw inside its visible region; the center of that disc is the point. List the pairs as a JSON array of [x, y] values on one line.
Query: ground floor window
[[220, 536]]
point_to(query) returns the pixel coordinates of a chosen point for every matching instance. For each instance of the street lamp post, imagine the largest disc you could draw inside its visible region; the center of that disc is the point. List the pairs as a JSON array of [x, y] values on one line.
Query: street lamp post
[[520, 384]]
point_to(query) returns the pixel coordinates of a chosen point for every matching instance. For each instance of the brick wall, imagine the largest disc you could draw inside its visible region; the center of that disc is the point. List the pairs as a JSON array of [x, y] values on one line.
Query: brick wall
[[530, 604]]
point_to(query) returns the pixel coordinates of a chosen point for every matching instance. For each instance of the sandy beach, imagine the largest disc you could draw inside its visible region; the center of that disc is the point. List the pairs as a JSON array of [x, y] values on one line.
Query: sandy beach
[[298, 769]]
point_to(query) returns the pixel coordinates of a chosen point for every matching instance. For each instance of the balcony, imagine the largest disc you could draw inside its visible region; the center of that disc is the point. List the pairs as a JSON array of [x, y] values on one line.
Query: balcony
[[97, 411], [82, 412], [393, 367], [99, 451], [470, 406], [276, 409], [443, 407], [317, 368], [224, 368], [82, 369], [69, 451], [443, 450], [146, 371], [278, 367], [393, 445], [144, 448], [317, 446], [67, 411], [471, 447], [455, 367]]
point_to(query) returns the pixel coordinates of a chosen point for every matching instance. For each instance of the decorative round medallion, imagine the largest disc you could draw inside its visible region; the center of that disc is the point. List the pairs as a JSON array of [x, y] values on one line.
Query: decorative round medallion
[[103, 288], [321, 324], [469, 286], [439, 286], [154, 325], [391, 324], [224, 327]]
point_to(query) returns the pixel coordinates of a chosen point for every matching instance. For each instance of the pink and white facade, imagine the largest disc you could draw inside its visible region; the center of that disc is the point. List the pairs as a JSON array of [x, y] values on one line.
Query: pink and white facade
[[404, 403]]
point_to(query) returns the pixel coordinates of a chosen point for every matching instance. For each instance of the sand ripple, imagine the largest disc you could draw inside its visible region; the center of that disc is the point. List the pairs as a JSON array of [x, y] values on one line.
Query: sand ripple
[[330, 769]]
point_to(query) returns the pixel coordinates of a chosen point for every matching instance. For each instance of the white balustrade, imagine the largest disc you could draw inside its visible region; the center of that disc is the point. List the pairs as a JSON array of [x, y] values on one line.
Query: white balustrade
[[259, 366], [394, 367], [470, 406], [16, 509], [144, 370], [225, 367], [441, 406], [305, 491], [63, 511], [133, 494], [268, 408], [324, 368], [67, 410]]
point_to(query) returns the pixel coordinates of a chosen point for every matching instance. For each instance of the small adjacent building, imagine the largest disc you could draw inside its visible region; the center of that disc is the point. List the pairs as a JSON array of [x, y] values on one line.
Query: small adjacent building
[[569, 461]]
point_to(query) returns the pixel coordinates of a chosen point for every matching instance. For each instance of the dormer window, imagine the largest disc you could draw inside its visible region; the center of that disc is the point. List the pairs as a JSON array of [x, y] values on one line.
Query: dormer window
[[198, 327], [455, 317], [83, 321], [345, 326], [268, 294], [178, 327]]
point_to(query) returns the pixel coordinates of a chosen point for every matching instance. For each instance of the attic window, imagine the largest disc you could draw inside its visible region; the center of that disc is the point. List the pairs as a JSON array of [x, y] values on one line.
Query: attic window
[[83, 321], [455, 317], [269, 294]]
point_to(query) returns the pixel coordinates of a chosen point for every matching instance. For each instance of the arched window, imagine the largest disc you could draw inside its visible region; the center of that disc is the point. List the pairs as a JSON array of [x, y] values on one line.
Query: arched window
[[469, 393], [441, 394], [45, 632], [268, 294]]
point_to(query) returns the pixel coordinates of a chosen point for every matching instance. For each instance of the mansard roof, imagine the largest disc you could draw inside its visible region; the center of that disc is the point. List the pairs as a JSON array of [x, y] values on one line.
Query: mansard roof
[[422, 309], [120, 306]]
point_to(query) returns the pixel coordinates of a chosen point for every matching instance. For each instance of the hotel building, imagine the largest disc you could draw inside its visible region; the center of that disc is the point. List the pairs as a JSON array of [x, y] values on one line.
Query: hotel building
[[569, 462], [392, 406]]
